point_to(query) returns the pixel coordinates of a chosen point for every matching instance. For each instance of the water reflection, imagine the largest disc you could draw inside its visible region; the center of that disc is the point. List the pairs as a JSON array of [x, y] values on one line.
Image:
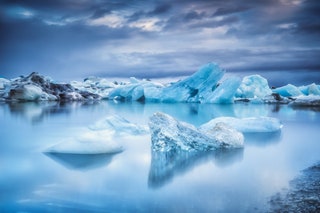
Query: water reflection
[[37, 112], [82, 162], [262, 138], [166, 165]]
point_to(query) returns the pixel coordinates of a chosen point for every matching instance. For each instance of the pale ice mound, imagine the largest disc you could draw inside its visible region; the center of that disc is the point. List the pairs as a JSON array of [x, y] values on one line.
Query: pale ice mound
[[252, 87], [87, 143], [119, 125], [251, 124], [102, 137], [169, 134]]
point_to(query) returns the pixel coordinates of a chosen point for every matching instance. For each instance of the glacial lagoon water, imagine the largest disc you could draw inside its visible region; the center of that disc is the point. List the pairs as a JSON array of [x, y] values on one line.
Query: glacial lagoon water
[[137, 179]]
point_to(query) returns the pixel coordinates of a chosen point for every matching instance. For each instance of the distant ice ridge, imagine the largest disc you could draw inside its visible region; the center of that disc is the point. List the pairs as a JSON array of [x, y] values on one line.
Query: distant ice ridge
[[168, 134], [245, 125], [204, 86], [100, 138], [36, 87]]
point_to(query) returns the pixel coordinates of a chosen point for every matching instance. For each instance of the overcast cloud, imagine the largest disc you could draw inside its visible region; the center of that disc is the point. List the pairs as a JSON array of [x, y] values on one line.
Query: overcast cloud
[[73, 39]]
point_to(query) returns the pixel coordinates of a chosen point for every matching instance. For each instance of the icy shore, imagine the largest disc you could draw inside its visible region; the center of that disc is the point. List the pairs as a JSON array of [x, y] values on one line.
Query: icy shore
[[204, 86]]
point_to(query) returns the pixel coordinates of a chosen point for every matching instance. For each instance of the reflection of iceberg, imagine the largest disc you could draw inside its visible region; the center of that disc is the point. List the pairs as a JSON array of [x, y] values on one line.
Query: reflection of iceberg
[[166, 165], [262, 138], [81, 161]]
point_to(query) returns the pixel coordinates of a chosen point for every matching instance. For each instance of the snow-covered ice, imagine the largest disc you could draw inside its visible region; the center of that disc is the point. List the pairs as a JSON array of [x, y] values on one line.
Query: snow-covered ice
[[250, 124], [310, 100], [168, 134], [252, 87], [101, 137]]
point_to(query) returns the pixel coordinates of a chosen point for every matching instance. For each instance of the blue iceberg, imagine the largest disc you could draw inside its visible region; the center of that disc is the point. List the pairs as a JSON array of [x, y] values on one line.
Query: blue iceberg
[[169, 134]]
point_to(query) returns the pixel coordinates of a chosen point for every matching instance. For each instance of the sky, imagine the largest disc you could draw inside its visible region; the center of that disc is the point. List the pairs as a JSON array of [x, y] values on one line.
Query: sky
[[74, 39]]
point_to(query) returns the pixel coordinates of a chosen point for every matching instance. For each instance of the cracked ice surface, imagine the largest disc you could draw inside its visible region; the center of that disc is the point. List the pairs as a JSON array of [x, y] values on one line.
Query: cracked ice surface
[[168, 134]]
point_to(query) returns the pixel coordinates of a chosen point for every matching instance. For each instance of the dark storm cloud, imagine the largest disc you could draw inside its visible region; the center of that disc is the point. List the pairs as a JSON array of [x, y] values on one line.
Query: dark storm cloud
[[77, 38]]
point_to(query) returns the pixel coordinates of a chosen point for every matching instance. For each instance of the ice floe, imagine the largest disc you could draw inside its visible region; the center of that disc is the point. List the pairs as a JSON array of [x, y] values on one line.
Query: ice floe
[[250, 124], [99, 138]]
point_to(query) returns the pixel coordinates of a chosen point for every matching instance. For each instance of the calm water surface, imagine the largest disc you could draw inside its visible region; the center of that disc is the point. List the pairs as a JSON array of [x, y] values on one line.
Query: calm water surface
[[138, 180]]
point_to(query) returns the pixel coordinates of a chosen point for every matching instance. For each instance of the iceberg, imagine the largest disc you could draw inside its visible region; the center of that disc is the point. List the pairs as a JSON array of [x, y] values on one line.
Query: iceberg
[[311, 89], [36, 87], [250, 124], [169, 134], [224, 93], [252, 87], [288, 91], [196, 87], [134, 91], [203, 86]]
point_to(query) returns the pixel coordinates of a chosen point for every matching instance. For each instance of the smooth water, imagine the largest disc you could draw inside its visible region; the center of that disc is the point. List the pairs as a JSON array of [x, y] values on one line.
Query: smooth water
[[138, 180]]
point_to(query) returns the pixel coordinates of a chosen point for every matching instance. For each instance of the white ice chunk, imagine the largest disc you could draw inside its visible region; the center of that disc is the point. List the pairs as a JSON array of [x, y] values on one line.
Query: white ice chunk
[[4, 83], [253, 86], [224, 93], [310, 100], [26, 92], [119, 125], [168, 134], [288, 91], [250, 124]]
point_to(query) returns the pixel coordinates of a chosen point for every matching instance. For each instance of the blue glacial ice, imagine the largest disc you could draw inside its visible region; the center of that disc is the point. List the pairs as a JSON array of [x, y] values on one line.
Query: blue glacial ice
[[204, 86], [196, 87], [311, 89], [245, 125], [288, 90], [253, 87], [168, 134], [224, 93]]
